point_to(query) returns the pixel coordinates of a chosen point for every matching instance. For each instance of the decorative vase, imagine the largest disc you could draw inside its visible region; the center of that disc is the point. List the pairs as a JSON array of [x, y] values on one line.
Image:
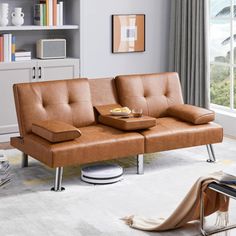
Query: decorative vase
[[4, 21], [17, 17], [4, 8], [4, 14]]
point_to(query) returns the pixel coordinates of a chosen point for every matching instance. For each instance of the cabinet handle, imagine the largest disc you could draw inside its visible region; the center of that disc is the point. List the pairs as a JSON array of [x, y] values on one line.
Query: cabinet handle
[[34, 73], [40, 72]]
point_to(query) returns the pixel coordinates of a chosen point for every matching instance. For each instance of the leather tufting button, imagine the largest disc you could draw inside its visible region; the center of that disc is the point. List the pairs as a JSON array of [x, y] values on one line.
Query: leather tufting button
[[70, 101], [45, 104]]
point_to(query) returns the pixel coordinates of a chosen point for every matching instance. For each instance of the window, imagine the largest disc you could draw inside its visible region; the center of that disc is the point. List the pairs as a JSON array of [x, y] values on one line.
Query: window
[[223, 53]]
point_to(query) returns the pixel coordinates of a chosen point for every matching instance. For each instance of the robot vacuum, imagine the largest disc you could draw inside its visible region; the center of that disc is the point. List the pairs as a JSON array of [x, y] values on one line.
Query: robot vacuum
[[102, 174]]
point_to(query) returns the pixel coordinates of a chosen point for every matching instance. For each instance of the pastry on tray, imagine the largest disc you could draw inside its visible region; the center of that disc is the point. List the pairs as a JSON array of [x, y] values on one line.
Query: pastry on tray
[[121, 111]]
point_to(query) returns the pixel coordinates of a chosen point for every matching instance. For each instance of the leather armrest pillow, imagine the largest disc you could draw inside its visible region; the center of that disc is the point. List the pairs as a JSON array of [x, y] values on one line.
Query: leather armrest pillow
[[55, 131], [192, 114]]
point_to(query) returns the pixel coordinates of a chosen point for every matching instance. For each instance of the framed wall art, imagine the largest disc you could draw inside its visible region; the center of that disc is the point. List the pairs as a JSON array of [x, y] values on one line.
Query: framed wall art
[[128, 33]]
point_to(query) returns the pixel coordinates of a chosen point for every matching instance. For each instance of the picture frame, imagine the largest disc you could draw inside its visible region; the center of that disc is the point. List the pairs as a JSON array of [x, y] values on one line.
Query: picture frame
[[128, 33]]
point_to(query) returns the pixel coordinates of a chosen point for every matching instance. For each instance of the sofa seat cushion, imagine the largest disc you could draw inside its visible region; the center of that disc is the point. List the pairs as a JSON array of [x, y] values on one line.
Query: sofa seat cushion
[[171, 133], [97, 143]]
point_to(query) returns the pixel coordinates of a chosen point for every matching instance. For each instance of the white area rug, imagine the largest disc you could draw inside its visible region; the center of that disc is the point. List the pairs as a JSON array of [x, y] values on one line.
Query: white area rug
[[28, 207]]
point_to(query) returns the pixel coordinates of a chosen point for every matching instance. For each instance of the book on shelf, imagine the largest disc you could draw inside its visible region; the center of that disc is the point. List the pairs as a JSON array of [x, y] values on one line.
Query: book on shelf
[[22, 53], [13, 47], [58, 14], [9, 47], [22, 58], [55, 12], [48, 13], [44, 15], [38, 14], [8, 52], [1, 49], [61, 13], [5, 48], [50, 10]]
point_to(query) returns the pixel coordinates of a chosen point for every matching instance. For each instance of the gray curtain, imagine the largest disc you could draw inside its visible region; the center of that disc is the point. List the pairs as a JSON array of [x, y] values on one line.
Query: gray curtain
[[188, 49]]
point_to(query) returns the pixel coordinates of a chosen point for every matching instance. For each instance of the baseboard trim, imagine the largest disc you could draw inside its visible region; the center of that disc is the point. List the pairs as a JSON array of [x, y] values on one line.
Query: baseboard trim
[[6, 137]]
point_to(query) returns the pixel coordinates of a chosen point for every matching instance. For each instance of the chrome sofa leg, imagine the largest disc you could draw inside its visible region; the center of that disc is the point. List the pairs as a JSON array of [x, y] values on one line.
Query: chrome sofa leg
[[24, 162], [58, 180], [211, 153], [140, 170]]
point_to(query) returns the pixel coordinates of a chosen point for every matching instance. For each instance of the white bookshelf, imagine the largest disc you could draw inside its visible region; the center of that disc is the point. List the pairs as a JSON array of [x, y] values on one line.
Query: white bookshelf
[[28, 34], [36, 27], [36, 69]]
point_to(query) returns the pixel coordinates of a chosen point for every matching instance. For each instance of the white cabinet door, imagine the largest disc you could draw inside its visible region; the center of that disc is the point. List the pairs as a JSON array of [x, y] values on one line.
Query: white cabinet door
[[57, 69], [11, 73], [32, 71]]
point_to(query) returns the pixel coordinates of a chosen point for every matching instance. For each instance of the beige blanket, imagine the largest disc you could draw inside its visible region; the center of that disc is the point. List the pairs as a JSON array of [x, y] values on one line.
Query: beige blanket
[[189, 208]]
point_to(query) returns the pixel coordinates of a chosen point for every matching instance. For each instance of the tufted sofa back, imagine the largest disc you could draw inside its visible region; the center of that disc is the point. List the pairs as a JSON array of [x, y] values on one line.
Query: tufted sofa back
[[103, 91], [71, 101], [68, 101], [154, 93]]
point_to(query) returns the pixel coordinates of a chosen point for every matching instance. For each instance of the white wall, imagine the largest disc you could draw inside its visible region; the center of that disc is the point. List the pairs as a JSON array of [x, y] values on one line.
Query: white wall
[[227, 121], [96, 57]]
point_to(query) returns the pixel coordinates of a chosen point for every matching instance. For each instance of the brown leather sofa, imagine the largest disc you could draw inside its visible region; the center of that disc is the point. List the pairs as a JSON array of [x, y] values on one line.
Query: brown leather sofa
[[74, 102]]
